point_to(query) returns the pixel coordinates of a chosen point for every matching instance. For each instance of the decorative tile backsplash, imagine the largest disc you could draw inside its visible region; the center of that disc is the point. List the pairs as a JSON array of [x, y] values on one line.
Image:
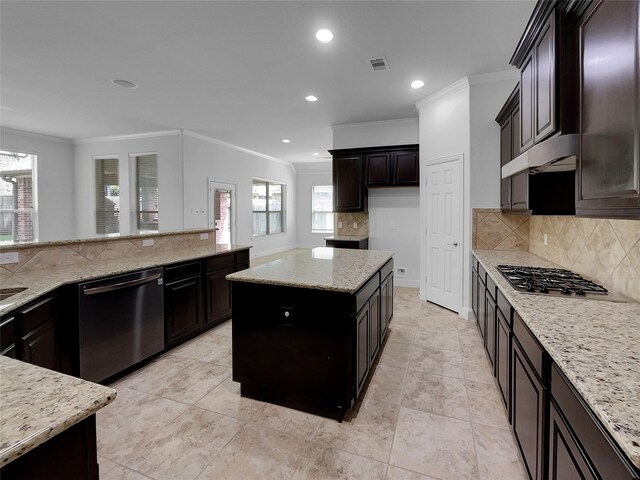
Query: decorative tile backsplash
[[607, 251], [348, 219], [493, 230], [57, 254]]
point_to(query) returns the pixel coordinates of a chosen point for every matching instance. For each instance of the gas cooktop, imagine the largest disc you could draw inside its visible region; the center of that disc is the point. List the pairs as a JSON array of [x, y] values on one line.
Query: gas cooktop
[[555, 282]]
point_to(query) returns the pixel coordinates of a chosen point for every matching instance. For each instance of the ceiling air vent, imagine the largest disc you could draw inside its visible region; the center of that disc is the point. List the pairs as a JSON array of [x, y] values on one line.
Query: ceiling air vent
[[379, 63]]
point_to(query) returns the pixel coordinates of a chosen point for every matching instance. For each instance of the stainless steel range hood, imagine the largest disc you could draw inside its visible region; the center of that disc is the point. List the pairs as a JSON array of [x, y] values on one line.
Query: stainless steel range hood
[[556, 154]]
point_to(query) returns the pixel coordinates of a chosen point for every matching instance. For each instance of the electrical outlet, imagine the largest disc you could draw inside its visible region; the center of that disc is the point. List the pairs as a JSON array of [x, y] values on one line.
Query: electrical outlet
[[339, 224], [11, 257], [401, 271], [355, 224], [545, 239], [204, 236], [148, 242]]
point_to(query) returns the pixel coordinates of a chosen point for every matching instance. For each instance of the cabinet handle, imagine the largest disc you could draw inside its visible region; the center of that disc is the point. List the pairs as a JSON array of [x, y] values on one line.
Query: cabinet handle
[[120, 286]]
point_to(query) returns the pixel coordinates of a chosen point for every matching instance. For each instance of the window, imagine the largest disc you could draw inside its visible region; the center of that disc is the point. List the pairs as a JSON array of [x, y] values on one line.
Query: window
[[322, 209], [146, 191], [107, 196], [17, 197], [268, 207]]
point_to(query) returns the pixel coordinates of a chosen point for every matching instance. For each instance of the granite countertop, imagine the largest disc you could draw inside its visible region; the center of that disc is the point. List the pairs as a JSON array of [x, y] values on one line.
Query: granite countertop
[[336, 269], [40, 282], [36, 404], [347, 238], [594, 343]]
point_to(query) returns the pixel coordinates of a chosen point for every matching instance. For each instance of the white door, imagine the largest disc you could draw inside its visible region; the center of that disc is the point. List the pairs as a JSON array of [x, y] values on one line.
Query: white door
[[444, 233], [222, 211]]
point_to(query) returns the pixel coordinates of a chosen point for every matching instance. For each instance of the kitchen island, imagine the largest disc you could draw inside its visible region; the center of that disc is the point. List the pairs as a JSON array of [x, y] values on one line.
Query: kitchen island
[[307, 327], [47, 423]]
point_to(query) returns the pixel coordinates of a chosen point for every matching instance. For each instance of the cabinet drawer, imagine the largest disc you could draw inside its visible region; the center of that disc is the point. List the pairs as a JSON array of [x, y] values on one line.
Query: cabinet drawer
[[242, 257], [8, 332], [595, 442], [474, 264], [482, 274], [386, 270], [35, 315], [530, 345], [505, 308], [491, 288], [184, 270], [219, 261], [364, 294]]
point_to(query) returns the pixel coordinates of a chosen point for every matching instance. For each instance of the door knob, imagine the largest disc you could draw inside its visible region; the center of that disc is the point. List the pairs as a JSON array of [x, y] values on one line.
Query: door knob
[[455, 244]]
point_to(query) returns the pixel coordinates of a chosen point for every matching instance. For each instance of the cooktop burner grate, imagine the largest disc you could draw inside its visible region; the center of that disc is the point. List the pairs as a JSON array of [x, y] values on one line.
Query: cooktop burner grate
[[554, 281]]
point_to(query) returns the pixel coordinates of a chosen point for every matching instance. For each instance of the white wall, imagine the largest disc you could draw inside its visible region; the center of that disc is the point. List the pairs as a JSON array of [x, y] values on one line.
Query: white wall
[[400, 206], [168, 146], [460, 119], [394, 225], [55, 180], [209, 159], [373, 134], [308, 175], [445, 132]]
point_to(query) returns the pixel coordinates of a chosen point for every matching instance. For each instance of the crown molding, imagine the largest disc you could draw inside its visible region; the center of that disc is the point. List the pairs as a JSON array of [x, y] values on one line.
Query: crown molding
[[222, 143], [445, 92], [501, 76], [41, 136], [398, 121], [131, 136]]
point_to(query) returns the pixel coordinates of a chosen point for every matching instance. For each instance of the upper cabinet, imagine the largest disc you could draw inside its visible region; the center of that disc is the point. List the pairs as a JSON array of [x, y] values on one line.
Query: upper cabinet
[[608, 166], [508, 119], [356, 169], [548, 84]]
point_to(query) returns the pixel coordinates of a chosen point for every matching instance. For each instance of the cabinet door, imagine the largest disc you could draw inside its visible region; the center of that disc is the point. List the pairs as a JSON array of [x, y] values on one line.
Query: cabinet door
[[8, 337], [490, 331], [39, 346], [406, 169], [544, 89], [515, 133], [565, 458], [374, 325], [520, 191], [182, 307], [384, 300], [474, 293], [218, 296], [506, 141], [378, 169], [482, 299], [348, 184], [526, 104], [608, 167], [362, 337], [527, 411], [503, 357]]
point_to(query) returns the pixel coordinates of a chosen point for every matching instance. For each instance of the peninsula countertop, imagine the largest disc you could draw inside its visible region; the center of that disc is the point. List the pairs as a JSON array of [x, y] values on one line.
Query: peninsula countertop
[[347, 238], [322, 268], [36, 404], [40, 282], [593, 342]]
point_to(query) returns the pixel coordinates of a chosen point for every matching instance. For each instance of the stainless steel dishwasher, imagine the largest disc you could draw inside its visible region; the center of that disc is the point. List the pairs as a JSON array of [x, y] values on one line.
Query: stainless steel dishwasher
[[121, 322]]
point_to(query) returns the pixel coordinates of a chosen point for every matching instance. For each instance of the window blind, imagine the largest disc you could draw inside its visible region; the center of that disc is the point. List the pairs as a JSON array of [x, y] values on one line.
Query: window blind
[[268, 207], [148, 192], [322, 208], [18, 211], [107, 196]]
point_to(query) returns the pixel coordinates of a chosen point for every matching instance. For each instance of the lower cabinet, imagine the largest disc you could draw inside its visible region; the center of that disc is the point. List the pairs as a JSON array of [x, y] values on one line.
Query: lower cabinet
[[528, 412], [503, 359], [490, 329], [374, 326], [481, 318], [363, 322], [182, 302], [474, 293], [386, 305], [218, 294]]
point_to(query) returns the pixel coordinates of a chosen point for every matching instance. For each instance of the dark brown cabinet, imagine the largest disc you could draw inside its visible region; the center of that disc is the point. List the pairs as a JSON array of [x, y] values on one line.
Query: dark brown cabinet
[[374, 326], [378, 169], [40, 346], [182, 302], [544, 77], [8, 337], [363, 321], [505, 157], [503, 357], [608, 165], [482, 306], [349, 193], [349, 244], [565, 459], [474, 293], [490, 329], [526, 103], [218, 295], [386, 305], [406, 170]]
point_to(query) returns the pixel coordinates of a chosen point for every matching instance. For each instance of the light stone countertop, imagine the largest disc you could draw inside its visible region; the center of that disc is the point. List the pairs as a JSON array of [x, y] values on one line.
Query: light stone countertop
[[594, 343], [40, 282], [336, 269], [36, 404], [347, 238]]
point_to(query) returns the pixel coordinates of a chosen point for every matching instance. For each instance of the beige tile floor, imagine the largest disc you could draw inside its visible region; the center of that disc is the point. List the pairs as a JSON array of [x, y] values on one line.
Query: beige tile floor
[[430, 411]]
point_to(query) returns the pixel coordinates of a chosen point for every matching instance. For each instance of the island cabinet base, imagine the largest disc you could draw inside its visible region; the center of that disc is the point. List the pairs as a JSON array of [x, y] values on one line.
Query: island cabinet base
[[71, 454], [298, 347]]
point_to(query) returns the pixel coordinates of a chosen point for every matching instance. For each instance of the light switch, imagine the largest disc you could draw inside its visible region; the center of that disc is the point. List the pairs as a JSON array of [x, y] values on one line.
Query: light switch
[[339, 224], [204, 236], [545, 239], [355, 224], [148, 242], [11, 257]]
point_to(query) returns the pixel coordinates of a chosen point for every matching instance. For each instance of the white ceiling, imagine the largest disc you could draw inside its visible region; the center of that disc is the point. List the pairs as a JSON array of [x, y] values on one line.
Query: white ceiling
[[238, 71]]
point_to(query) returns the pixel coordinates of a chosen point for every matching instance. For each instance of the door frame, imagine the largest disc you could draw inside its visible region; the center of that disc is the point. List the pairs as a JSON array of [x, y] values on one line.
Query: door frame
[[211, 186], [461, 224]]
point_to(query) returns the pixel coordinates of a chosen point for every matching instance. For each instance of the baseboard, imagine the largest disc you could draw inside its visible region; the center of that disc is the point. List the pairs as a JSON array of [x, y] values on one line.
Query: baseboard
[[465, 313], [403, 282]]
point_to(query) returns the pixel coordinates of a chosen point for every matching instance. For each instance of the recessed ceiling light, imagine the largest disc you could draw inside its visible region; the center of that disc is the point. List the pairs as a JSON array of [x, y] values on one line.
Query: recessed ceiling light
[[311, 98], [124, 83], [324, 35], [417, 84], [286, 140], [315, 154]]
